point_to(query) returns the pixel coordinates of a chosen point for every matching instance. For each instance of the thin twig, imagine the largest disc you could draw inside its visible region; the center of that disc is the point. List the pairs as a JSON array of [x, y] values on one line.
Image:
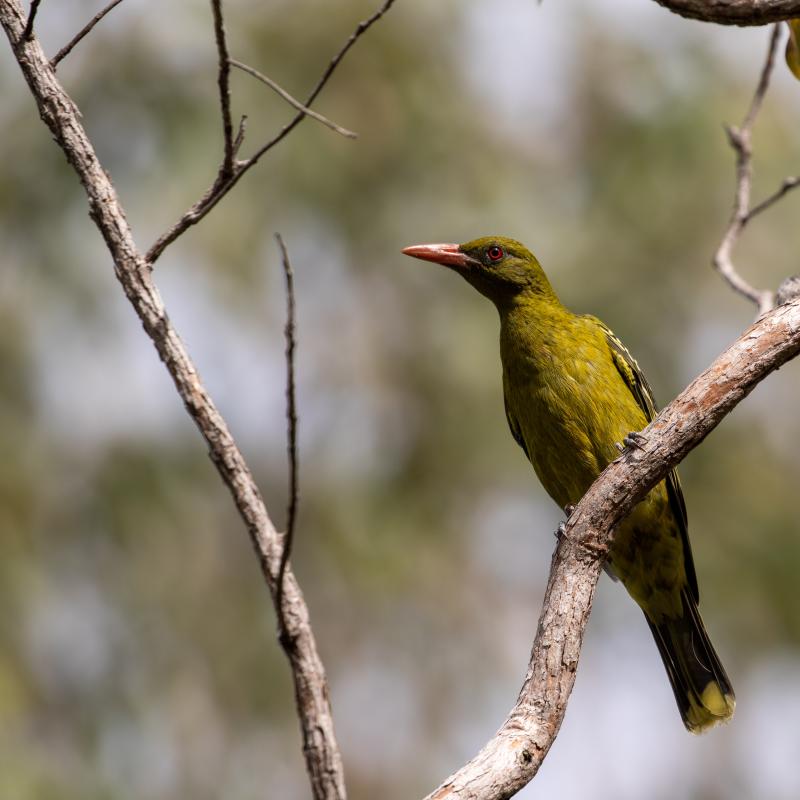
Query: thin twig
[[28, 32], [291, 432], [218, 190], [741, 141], [67, 48], [293, 101], [224, 84], [763, 80], [239, 140], [786, 186]]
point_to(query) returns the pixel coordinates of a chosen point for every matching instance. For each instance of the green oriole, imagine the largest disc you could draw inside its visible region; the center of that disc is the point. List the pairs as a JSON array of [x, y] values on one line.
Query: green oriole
[[572, 391]]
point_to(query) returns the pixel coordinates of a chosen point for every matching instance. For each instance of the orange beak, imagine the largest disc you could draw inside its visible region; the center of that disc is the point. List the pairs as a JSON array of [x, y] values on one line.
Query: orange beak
[[448, 255]]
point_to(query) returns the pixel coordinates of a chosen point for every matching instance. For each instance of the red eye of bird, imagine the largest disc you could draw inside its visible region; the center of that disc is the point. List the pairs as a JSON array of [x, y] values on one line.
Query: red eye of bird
[[495, 253]]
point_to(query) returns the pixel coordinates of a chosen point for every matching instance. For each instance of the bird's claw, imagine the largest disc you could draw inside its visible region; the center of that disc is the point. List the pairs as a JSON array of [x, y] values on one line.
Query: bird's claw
[[568, 509], [635, 440]]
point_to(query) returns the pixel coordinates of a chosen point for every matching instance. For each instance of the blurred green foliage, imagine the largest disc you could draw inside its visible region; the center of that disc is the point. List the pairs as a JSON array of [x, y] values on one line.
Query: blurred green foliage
[[137, 646]]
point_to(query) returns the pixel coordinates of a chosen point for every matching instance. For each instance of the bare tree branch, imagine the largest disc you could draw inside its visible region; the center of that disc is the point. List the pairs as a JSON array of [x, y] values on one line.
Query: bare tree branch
[[62, 117], [85, 31], [741, 141], [291, 430], [224, 84], [735, 12], [291, 100], [513, 756], [215, 193], [28, 32]]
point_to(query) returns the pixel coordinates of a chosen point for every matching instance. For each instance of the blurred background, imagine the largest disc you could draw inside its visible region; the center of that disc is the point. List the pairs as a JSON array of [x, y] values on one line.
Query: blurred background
[[138, 656]]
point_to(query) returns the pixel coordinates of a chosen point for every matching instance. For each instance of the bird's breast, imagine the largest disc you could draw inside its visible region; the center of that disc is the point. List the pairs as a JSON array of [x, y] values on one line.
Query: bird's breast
[[570, 406]]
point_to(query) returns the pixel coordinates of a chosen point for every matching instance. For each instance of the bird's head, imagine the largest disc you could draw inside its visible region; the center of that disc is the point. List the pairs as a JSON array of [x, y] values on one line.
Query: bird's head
[[498, 267]]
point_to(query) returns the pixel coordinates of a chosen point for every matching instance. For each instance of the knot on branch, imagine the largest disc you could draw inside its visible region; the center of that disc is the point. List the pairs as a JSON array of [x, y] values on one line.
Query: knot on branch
[[739, 139], [587, 548], [788, 290]]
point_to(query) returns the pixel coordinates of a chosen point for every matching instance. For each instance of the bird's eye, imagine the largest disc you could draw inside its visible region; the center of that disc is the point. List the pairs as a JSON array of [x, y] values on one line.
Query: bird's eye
[[495, 253]]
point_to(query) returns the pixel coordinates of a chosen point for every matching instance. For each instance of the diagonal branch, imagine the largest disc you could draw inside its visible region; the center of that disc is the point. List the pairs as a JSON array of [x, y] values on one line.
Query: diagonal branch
[[741, 141], [792, 182], [62, 117], [515, 753], [217, 191], [735, 12], [82, 33], [291, 100]]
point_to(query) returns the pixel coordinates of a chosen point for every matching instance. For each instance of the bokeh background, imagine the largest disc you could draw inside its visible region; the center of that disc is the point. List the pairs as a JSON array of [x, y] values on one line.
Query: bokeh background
[[137, 648]]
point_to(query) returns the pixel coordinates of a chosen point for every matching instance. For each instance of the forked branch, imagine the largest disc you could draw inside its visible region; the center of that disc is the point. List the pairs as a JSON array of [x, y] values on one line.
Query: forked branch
[[740, 139], [221, 187]]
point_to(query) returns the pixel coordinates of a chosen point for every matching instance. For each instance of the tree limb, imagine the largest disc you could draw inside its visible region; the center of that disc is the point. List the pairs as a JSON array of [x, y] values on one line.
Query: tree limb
[[513, 756], [62, 117], [735, 12], [741, 141]]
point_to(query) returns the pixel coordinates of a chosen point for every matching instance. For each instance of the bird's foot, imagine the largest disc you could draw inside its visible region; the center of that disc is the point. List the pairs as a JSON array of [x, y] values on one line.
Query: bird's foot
[[635, 440], [568, 509]]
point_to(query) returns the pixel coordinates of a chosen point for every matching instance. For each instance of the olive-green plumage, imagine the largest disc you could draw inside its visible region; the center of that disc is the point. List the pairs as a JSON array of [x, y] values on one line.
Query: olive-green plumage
[[572, 391]]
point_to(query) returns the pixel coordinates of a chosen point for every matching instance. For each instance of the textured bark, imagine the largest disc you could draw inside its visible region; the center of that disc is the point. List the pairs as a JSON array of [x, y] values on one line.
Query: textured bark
[[134, 273], [735, 12], [513, 756]]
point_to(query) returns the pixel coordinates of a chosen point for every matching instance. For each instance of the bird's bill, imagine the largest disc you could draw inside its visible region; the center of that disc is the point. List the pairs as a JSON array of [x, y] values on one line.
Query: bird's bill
[[448, 255]]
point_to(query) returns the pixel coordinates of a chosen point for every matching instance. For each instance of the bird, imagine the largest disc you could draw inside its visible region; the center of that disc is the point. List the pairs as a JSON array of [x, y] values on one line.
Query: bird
[[572, 393]]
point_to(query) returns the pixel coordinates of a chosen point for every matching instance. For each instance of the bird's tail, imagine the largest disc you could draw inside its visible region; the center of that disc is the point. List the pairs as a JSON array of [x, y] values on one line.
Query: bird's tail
[[704, 693]]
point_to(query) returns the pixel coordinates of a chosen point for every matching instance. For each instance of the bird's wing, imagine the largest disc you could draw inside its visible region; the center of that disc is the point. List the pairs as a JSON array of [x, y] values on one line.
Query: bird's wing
[[515, 430], [640, 389]]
